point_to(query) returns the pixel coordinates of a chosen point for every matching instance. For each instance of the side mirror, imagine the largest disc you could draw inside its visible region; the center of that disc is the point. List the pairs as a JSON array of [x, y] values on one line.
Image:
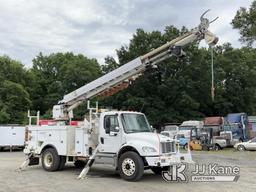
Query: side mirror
[[114, 133], [117, 129]]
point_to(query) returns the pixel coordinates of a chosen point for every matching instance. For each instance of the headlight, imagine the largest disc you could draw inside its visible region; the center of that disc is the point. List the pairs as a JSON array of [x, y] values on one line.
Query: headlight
[[148, 149]]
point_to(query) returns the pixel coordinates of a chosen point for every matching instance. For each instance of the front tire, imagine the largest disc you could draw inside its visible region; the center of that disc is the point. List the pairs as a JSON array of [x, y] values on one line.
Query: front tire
[[50, 160], [217, 147], [131, 166], [205, 148], [240, 148]]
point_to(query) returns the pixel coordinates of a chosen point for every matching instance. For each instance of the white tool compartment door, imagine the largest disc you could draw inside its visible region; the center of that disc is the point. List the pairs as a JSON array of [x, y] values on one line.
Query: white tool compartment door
[[79, 142]]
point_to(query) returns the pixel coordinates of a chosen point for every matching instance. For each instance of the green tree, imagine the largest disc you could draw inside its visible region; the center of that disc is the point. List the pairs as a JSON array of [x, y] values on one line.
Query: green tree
[[14, 96], [58, 74], [110, 65], [245, 22], [180, 88], [159, 93], [16, 103], [236, 72]]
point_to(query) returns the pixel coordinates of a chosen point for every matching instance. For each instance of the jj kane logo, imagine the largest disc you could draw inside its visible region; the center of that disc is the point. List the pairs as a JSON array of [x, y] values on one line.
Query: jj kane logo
[[176, 173], [202, 173]]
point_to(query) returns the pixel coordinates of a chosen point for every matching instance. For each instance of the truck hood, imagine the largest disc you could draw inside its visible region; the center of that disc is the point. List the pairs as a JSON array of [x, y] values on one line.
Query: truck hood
[[146, 139]]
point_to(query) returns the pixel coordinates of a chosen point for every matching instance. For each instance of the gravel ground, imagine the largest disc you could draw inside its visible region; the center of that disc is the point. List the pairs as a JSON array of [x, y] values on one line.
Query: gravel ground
[[104, 178]]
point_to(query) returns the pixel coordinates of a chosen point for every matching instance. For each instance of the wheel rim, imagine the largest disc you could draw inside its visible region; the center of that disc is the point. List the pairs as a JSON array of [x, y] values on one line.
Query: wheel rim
[[48, 160], [128, 167], [240, 148]]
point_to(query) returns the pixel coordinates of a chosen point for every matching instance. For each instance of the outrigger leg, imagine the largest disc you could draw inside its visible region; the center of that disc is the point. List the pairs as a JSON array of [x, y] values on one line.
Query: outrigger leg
[[31, 160]]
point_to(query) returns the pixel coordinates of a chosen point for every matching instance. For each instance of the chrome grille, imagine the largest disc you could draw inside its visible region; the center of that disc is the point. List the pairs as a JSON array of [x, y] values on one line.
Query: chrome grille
[[168, 147]]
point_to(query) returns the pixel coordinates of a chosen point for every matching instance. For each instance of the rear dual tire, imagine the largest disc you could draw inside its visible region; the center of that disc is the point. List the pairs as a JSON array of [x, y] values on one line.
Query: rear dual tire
[[51, 161], [62, 163]]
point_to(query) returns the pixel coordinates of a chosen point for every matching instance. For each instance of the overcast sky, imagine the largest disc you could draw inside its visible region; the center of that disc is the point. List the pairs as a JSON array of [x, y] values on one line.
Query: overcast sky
[[96, 28]]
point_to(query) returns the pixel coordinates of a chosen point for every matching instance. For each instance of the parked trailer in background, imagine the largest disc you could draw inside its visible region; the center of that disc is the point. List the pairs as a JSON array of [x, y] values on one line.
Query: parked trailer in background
[[12, 136], [214, 123], [252, 126], [237, 124]]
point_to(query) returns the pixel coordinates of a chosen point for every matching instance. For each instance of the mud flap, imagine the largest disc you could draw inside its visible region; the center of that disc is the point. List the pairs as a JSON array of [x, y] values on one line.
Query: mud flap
[[33, 161]]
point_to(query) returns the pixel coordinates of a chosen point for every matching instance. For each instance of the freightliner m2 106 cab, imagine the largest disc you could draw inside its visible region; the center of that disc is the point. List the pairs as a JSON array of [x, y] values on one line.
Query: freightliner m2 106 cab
[[122, 139]]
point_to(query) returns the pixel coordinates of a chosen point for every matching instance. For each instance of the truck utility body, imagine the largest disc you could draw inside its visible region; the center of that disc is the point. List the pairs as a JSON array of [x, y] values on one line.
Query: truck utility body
[[120, 138], [117, 131]]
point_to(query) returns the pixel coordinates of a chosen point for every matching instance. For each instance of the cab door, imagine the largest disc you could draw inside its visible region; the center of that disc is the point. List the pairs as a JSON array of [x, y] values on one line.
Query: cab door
[[110, 138]]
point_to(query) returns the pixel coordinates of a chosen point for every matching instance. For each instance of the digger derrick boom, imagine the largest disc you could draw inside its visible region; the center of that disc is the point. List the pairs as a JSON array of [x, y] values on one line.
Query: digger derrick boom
[[121, 77]]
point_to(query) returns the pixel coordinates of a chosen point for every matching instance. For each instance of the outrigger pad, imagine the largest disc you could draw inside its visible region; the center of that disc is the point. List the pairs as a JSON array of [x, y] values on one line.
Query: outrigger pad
[[33, 161]]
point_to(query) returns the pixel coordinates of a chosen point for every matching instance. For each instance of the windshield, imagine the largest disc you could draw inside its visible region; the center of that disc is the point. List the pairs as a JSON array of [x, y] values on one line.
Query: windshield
[[186, 128], [170, 128], [231, 127], [134, 123]]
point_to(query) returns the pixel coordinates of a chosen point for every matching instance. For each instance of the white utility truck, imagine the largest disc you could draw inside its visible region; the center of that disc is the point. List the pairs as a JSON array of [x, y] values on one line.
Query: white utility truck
[[123, 139]]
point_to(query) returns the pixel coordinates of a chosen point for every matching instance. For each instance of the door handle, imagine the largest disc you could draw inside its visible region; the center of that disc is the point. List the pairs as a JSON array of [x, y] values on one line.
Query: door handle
[[102, 140]]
